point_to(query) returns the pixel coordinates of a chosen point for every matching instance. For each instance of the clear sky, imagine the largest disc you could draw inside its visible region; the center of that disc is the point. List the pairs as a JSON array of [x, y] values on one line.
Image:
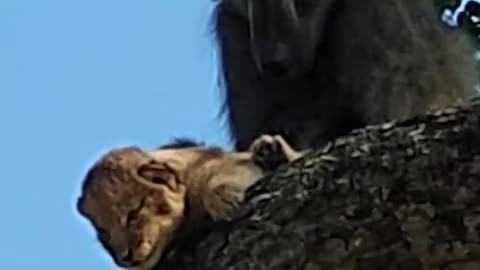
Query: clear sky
[[78, 77]]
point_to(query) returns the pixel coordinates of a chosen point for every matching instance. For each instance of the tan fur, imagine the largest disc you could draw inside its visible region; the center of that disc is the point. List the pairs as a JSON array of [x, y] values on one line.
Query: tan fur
[[136, 199]]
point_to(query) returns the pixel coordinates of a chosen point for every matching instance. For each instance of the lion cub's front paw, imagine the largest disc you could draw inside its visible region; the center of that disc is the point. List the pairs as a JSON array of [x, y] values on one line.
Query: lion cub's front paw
[[268, 152]]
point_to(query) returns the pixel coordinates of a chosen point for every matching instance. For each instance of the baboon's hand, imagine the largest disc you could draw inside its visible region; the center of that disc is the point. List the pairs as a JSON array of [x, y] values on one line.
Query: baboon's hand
[[269, 151]]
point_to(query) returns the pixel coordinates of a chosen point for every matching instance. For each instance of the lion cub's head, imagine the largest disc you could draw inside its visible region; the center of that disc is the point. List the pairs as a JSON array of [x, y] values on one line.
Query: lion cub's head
[[135, 203]]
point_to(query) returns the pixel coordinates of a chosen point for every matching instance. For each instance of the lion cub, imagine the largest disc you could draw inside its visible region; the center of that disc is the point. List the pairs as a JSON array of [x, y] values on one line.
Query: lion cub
[[137, 199]]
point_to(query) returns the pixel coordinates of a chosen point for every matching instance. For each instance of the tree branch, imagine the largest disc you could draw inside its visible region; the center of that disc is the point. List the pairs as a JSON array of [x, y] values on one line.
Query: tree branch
[[397, 196]]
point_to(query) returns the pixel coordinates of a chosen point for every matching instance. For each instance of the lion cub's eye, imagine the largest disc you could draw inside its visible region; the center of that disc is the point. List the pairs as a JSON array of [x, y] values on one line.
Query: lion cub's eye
[[132, 215]]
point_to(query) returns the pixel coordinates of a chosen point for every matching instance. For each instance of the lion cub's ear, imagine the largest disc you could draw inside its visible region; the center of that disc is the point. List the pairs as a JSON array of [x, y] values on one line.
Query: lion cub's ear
[[155, 174]]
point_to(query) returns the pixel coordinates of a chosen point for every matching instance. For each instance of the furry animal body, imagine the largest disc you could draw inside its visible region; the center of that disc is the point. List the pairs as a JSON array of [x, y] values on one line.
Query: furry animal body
[[137, 200], [313, 70]]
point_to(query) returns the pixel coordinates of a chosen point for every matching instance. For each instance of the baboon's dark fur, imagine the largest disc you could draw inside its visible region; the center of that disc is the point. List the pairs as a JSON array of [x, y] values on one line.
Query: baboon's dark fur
[[313, 70]]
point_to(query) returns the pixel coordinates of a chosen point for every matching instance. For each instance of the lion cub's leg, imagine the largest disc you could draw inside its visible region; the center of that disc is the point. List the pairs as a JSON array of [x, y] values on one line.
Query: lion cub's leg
[[225, 197], [227, 188]]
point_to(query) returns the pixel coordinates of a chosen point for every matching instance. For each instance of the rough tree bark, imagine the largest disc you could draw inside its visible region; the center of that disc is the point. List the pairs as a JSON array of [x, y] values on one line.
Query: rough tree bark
[[401, 195]]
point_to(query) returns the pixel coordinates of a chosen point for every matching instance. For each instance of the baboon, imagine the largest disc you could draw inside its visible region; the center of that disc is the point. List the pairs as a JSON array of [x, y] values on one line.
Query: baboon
[[136, 200], [313, 70]]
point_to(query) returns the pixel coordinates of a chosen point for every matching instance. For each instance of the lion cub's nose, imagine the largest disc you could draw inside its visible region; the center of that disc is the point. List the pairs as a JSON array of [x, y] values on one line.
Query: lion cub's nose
[[127, 258]]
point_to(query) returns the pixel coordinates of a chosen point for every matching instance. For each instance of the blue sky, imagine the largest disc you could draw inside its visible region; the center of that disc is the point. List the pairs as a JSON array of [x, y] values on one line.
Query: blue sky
[[78, 77]]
